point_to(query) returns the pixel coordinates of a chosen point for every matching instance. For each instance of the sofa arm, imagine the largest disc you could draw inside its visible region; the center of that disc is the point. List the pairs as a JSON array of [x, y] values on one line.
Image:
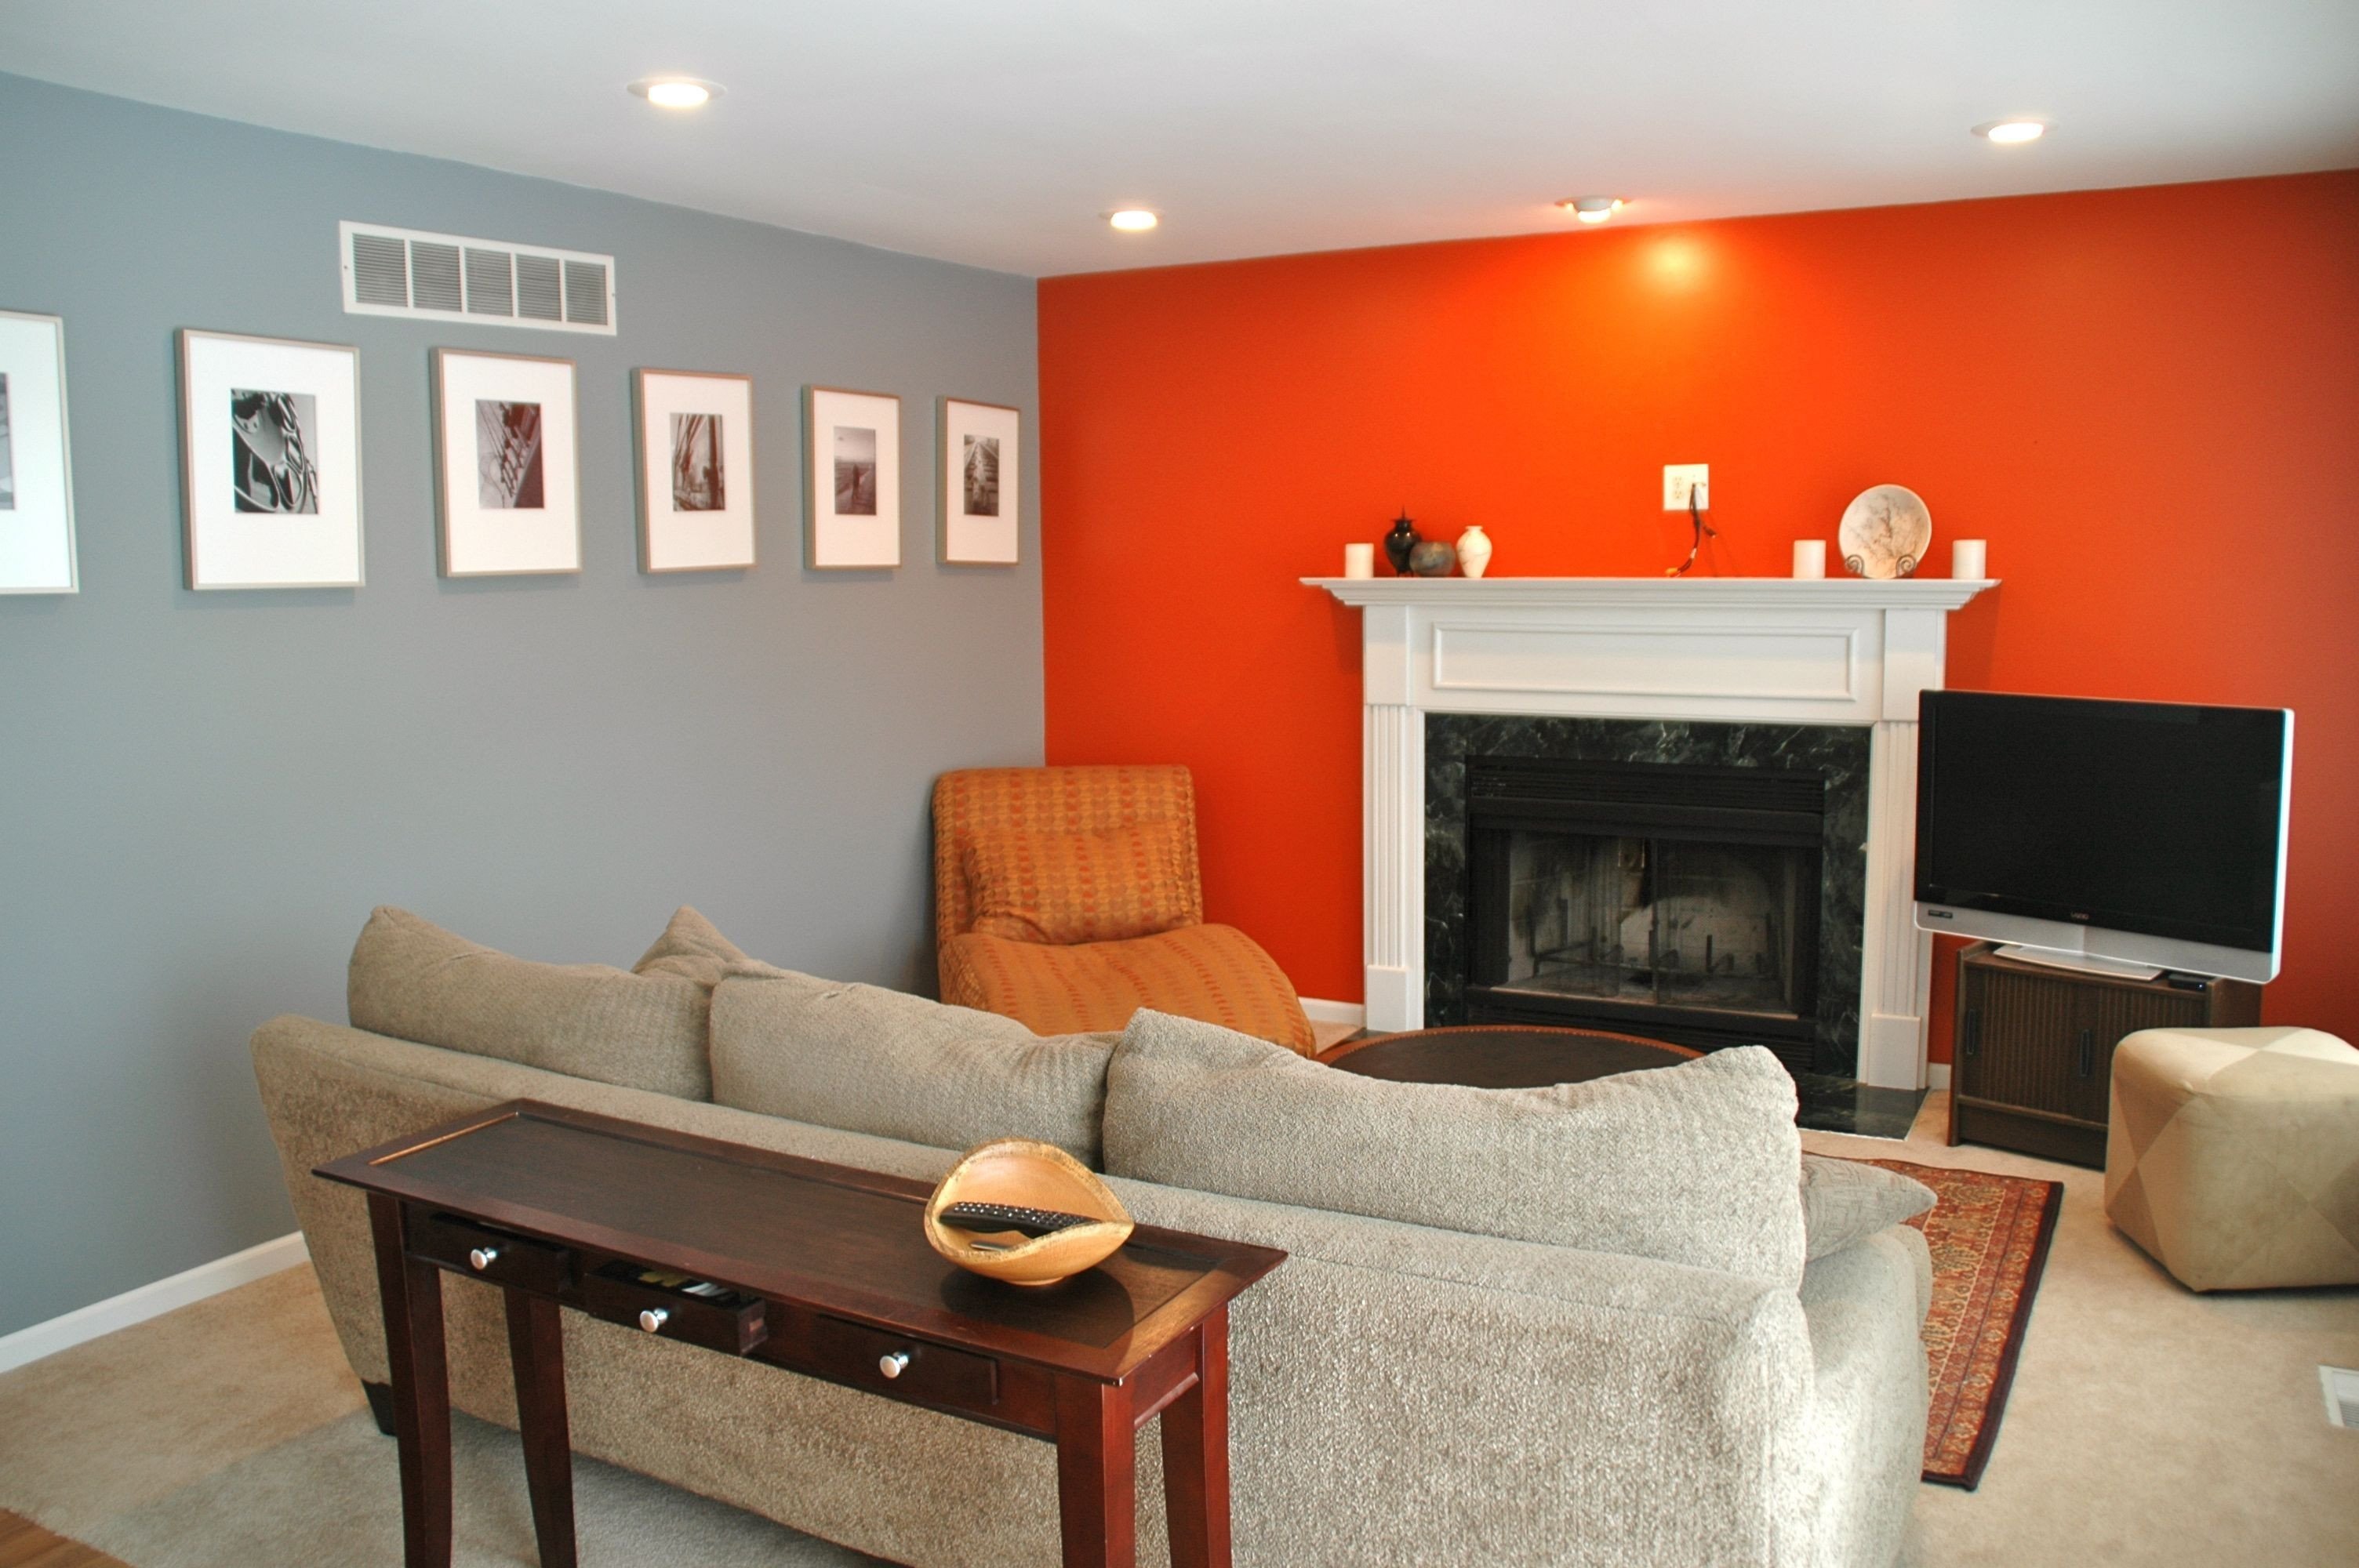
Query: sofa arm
[[1462, 1399]]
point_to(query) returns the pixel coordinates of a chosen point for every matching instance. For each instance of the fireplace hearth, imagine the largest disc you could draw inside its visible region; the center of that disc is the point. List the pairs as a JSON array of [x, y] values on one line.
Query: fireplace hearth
[[1694, 882]]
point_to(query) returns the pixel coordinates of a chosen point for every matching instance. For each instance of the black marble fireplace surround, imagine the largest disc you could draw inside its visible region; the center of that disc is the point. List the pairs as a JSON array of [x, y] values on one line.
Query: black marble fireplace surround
[[1837, 755]]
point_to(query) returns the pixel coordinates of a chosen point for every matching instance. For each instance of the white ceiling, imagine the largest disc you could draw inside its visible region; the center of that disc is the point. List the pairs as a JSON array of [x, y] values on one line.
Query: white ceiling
[[996, 131]]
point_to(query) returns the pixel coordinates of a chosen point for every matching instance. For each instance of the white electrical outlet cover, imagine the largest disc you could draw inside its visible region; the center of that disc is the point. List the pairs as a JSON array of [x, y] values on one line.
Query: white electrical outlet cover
[[1678, 479]]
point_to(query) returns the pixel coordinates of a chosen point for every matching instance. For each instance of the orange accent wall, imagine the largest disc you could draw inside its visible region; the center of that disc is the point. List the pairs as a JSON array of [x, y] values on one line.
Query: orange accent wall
[[2147, 400]]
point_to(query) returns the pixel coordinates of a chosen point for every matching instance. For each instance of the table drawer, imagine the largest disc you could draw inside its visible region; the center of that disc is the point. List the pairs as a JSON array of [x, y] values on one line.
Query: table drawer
[[932, 1374], [620, 1292], [488, 1253]]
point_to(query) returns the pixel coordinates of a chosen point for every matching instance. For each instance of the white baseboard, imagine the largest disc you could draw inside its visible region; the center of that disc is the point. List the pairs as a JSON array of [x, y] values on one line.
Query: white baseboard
[[1318, 1012], [1937, 1075], [28, 1345]]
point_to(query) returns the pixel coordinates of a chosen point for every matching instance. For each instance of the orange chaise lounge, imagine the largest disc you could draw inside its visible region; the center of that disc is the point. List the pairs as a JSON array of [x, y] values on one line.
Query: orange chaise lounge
[[1069, 898]]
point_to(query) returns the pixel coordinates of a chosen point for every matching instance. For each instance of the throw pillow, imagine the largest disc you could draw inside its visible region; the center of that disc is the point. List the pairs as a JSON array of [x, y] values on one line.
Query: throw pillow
[[1694, 1163], [863, 1059], [1846, 1200], [412, 979], [1066, 887], [692, 949]]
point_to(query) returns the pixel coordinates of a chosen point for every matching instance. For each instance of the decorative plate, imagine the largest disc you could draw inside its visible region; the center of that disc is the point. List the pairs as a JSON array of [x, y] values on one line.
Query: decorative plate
[[1885, 532]]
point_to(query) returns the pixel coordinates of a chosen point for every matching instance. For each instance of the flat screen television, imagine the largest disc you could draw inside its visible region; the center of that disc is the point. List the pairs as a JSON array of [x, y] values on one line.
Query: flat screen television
[[2139, 833]]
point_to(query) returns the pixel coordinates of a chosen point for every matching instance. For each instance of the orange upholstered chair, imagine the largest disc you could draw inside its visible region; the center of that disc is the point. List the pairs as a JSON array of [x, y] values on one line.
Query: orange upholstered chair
[[1067, 899]]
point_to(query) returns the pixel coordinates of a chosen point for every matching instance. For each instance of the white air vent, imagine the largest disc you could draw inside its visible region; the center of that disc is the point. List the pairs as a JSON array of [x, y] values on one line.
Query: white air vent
[[401, 272], [2342, 1395]]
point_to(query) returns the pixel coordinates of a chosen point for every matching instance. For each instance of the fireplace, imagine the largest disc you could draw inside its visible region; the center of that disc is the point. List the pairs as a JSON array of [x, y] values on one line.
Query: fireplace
[[1671, 900], [1694, 882]]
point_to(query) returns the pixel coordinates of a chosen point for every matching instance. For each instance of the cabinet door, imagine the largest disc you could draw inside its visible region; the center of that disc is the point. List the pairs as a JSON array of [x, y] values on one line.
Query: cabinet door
[[2104, 1014], [2019, 1047]]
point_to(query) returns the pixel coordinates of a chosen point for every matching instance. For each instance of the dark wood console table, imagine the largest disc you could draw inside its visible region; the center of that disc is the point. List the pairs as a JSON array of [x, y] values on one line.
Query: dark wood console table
[[819, 1269]]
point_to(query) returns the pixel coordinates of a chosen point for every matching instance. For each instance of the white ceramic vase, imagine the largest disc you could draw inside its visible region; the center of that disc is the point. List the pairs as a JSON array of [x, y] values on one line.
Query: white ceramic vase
[[1473, 550]]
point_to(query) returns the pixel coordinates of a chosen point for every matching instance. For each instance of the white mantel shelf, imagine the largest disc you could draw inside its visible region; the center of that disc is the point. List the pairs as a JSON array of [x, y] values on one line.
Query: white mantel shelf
[[1667, 592], [1848, 650]]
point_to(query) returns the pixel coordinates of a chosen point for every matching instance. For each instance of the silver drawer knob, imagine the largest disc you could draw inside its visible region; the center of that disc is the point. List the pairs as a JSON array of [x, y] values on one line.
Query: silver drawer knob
[[483, 1258], [896, 1364], [653, 1319]]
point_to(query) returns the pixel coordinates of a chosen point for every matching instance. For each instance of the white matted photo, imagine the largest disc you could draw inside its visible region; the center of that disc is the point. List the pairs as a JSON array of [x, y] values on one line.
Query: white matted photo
[[981, 472], [505, 472], [855, 442], [270, 462], [37, 538], [696, 471]]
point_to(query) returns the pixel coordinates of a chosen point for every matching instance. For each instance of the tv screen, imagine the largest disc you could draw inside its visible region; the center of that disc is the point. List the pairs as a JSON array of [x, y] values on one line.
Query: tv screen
[[2156, 819]]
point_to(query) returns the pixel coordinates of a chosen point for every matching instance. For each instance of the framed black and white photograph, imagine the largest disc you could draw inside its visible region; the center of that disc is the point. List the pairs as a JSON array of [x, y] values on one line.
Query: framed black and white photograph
[[505, 474], [36, 533], [270, 462], [853, 439], [981, 475], [696, 471]]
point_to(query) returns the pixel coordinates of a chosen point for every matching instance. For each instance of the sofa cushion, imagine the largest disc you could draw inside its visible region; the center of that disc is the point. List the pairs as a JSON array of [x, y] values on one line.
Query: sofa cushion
[[692, 949], [863, 1059], [1216, 973], [1695, 1164], [1846, 1200], [1080, 887], [414, 981]]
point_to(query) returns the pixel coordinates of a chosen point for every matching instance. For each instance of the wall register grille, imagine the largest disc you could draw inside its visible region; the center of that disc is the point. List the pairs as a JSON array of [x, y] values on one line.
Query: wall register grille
[[443, 277]]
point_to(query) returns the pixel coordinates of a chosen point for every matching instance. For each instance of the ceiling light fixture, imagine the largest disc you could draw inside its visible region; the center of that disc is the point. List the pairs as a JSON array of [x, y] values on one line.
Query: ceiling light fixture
[[1592, 208], [676, 92], [2012, 132], [1133, 220]]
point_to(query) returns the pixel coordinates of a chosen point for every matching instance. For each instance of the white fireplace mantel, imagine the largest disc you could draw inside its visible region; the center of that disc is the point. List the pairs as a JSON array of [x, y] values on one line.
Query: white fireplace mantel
[[1758, 650]]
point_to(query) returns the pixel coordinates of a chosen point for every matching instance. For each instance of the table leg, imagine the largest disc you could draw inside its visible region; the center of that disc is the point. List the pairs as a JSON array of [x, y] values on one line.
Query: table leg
[[411, 1293], [1196, 1454], [1096, 1478], [537, 1350]]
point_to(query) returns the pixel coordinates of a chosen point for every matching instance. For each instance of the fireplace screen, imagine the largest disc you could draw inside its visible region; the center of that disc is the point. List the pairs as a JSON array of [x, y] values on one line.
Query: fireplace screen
[[1667, 922]]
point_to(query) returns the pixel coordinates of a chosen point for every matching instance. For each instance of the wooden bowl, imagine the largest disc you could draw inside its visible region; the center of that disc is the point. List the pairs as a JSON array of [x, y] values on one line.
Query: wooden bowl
[[1029, 1175]]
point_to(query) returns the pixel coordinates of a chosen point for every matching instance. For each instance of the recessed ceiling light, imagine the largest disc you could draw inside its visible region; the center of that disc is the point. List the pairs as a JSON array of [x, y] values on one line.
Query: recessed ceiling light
[[2013, 133], [1592, 208], [676, 92], [1133, 220]]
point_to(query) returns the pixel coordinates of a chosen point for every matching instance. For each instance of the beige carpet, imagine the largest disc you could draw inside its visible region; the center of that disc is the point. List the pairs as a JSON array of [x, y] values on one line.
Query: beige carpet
[[231, 1434], [2147, 1426]]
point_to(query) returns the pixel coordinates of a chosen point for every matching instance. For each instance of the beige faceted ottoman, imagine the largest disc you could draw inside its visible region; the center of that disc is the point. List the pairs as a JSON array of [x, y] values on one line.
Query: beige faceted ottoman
[[2233, 1155]]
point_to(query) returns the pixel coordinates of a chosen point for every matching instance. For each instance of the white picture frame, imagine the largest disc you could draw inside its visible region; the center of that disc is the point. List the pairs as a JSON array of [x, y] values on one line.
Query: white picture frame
[[982, 473], [36, 527], [854, 483], [270, 462], [507, 479], [695, 452]]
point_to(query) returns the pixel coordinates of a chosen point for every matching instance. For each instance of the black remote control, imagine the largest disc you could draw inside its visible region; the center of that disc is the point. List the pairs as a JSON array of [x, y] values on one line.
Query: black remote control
[[986, 1216]]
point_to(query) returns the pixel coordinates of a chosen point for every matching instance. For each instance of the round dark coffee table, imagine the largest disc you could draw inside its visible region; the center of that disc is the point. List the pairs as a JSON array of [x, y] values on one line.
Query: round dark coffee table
[[1502, 1056]]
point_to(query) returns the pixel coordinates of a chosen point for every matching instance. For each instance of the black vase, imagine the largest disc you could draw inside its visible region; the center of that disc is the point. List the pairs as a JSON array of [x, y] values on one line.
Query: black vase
[[1400, 542]]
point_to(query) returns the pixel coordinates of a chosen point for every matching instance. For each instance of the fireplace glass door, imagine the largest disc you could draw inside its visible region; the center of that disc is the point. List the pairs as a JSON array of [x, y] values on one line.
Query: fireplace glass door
[[1660, 921]]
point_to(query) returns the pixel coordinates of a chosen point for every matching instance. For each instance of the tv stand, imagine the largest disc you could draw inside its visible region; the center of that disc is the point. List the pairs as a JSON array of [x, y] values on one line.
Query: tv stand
[[2034, 1048], [2083, 963]]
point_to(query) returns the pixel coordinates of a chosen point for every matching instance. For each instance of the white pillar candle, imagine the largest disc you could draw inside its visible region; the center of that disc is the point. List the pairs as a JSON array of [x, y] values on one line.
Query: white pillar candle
[[1359, 560], [1809, 557], [1969, 559]]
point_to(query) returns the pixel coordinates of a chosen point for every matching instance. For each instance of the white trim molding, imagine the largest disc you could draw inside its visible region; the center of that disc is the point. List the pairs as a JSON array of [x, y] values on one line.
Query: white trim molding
[[29, 1345], [1318, 1010], [1730, 649]]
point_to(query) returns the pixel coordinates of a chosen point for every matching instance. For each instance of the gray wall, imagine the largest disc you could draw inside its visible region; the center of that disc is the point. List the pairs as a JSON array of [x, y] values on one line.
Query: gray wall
[[202, 794]]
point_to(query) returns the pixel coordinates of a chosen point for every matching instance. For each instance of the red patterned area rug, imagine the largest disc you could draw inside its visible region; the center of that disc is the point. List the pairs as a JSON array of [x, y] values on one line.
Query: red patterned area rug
[[1989, 1238]]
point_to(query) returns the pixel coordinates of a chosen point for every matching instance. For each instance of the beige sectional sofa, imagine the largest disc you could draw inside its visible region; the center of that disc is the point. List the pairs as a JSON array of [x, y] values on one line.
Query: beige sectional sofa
[[1402, 1393]]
